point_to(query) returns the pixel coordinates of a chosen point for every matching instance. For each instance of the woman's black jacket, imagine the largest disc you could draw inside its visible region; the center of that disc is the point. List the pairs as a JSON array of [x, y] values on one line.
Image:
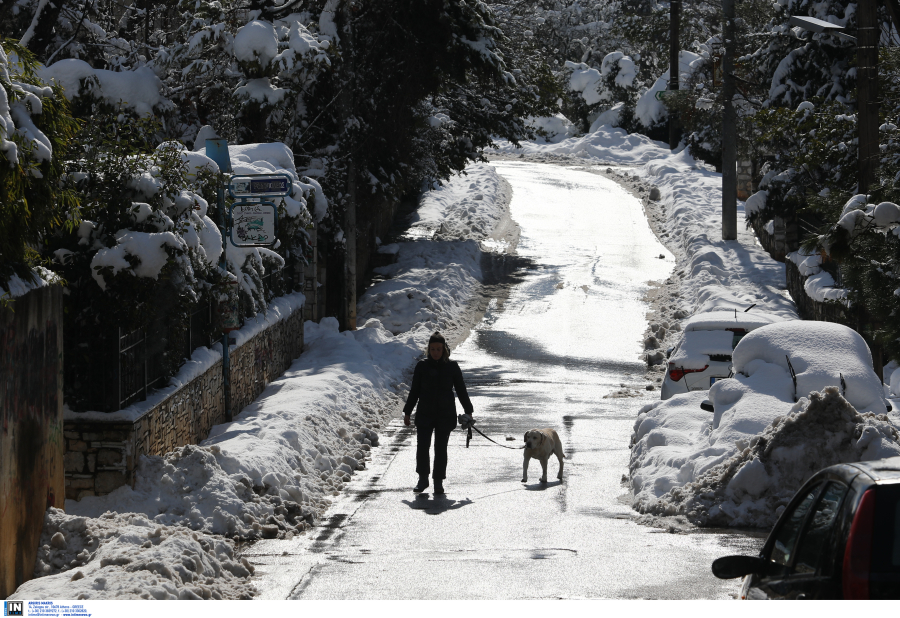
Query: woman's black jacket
[[432, 387]]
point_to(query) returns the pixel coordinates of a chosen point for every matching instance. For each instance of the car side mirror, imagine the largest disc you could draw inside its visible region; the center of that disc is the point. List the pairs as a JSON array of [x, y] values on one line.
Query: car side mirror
[[888, 405], [707, 405], [730, 567], [669, 352]]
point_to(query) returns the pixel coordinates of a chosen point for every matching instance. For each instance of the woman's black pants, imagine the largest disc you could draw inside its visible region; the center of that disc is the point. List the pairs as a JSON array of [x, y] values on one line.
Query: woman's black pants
[[423, 463]]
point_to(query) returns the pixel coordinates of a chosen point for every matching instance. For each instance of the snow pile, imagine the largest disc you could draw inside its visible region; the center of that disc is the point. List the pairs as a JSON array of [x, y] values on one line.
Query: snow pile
[[428, 288], [680, 450], [753, 486], [138, 89], [467, 206], [605, 143], [270, 471], [437, 273], [127, 556]]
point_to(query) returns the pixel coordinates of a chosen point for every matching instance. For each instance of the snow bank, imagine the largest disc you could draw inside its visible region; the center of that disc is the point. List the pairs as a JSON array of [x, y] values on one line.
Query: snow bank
[[753, 486], [605, 143], [431, 284], [127, 556], [467, 206], [428, 288]]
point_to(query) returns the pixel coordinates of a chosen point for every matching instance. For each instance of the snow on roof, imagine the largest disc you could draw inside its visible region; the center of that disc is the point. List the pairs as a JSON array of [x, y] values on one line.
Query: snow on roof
[[138, 89], [721, 320]]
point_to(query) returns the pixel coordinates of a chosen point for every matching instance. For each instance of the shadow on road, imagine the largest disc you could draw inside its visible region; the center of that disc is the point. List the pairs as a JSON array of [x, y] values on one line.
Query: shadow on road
[[436, 505], [542, 486]]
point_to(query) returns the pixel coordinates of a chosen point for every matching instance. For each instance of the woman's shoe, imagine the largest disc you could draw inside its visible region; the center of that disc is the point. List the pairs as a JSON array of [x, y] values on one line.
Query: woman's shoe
[[438, 487], [422, 486]]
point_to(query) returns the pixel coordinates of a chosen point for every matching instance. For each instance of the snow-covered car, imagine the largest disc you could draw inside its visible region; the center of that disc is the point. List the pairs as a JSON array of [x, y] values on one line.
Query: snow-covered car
[[703, 353], [837, 539], [788, 361]]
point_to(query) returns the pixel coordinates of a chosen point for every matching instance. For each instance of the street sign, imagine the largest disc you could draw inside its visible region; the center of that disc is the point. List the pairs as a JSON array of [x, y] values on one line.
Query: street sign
[[253, 224], [260, 185], [662, 94]]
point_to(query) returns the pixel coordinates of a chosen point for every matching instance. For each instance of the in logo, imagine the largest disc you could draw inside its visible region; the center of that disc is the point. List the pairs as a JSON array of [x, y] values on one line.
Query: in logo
[[13, 608]]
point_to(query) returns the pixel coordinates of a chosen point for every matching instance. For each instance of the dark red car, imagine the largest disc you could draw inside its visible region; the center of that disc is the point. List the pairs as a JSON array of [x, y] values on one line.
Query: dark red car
[[839, 538]]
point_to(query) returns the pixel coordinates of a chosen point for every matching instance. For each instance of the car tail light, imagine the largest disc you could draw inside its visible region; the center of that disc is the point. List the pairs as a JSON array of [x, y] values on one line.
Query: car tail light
[[858, 553], [676, 373]]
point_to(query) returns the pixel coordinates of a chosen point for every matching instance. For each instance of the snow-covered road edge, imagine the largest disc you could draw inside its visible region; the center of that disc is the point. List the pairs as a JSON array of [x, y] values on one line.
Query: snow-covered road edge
[[273, 471]]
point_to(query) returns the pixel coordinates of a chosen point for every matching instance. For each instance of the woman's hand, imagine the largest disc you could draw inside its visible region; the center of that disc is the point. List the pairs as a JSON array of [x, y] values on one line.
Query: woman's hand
[[406, 420]]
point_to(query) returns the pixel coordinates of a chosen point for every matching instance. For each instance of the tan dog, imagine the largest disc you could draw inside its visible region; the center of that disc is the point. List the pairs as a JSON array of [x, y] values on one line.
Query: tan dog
[[540, 444]]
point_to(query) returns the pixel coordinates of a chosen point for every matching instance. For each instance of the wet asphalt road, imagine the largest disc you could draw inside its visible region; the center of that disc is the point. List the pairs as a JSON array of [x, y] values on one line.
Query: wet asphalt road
[[567, 336]]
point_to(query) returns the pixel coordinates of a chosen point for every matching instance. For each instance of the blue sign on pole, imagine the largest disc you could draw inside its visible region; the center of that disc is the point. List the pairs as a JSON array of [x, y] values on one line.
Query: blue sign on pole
[[217, 150]]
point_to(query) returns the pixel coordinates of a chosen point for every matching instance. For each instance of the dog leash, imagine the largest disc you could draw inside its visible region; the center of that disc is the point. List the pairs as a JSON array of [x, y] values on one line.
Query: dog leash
[[469, 425]]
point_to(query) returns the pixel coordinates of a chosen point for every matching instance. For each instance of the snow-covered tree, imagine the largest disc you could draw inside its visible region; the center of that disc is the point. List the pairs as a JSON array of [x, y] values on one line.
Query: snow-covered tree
[[36, 132]]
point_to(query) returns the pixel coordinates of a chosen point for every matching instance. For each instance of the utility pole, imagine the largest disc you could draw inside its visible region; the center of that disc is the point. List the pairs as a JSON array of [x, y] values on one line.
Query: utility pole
[[347, 109], [729, 127], [674, 69], [867, 90]]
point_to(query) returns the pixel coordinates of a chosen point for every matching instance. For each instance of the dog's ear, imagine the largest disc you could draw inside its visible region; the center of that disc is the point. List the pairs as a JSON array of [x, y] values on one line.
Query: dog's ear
[[543, 437], [525, 439]]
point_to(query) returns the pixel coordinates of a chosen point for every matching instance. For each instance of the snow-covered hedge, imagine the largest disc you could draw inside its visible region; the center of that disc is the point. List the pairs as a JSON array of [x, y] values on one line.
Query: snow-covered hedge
[[146, 247]]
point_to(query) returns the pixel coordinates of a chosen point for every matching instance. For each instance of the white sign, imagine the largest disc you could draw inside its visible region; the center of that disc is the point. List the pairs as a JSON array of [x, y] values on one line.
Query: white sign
[[260, 185], [253, 224]]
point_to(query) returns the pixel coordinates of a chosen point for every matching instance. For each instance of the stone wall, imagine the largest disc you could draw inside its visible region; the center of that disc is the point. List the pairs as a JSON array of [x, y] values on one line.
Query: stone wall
[[783, 239], [31, 440], [103, 455], [744, 179]]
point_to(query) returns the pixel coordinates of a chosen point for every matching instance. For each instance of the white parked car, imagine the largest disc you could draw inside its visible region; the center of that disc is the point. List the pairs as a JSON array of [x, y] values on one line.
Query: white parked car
[[703, 353]]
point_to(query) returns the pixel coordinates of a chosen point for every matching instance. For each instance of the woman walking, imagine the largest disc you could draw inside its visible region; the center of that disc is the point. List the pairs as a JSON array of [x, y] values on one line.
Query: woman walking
[[432, 387]]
